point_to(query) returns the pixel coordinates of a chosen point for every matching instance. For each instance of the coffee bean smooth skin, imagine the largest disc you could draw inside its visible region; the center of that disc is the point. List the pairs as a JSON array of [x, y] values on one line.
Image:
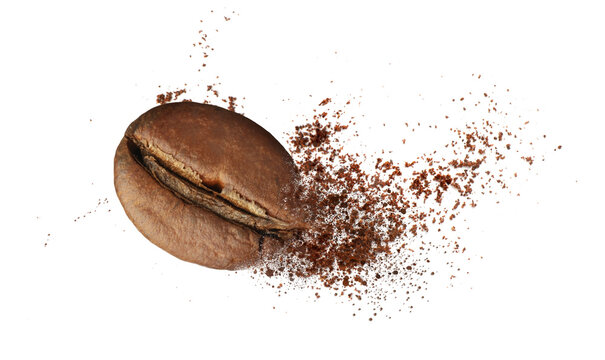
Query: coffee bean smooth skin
[[207, 185]]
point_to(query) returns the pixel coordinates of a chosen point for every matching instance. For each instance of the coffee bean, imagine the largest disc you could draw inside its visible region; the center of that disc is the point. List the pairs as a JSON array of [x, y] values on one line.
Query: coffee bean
[[207, 185]]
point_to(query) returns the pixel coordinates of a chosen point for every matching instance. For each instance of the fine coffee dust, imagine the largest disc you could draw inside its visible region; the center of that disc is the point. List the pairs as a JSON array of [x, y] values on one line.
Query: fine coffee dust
[[169, 96], [101, 203], [383, 228], [207, 88]]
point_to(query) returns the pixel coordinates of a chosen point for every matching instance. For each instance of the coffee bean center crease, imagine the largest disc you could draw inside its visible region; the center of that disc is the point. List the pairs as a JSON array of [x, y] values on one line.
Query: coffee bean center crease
[[207, 196]]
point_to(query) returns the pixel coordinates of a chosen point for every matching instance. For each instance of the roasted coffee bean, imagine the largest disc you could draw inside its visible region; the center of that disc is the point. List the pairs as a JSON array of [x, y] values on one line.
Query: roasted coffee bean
[[207, 185]]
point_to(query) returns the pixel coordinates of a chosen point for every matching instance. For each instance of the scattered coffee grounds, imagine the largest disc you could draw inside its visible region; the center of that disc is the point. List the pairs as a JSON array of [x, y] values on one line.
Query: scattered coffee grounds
[[232, 103], [208, 84], [380, 226], [169, 96], [100, 203], [385, 228], [211, 96], [203, 44]]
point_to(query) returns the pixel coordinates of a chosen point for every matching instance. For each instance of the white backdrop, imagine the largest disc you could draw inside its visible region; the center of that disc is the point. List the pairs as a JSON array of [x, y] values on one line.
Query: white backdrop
[[74, 75]]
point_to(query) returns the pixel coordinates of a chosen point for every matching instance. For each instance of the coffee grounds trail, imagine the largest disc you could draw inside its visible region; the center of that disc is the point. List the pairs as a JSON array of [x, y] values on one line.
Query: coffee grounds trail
[[378, 225], [381, 228]]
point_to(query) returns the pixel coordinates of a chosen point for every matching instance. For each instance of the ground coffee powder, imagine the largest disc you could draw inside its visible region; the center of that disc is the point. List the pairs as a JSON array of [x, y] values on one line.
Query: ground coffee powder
[[381, 227]]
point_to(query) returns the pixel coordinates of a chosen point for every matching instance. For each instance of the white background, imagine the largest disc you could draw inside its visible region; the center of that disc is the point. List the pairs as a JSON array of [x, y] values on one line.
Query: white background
[[74, 75]]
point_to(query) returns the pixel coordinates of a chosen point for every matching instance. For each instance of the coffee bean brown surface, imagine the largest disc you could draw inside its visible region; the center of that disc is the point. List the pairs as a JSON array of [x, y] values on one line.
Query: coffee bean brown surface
[[207, 185]]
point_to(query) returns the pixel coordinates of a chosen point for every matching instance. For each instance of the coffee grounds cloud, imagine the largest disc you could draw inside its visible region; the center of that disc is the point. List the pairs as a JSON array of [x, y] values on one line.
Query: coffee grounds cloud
[[380, 226], [383, 228]]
